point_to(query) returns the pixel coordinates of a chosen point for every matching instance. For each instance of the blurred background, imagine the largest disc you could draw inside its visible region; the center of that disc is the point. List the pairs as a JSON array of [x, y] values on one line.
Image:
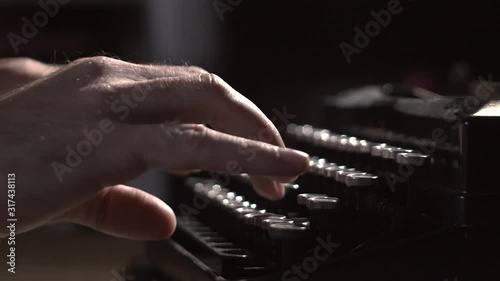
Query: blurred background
[[278, 53]]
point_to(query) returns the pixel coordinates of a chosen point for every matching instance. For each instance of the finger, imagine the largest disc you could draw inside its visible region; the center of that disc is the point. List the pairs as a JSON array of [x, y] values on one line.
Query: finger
[[267, 188], [206, 99], [16, 72], [200, 99], [191, 147], [198, 147], [125, 212], [122, 71], [158, 71]]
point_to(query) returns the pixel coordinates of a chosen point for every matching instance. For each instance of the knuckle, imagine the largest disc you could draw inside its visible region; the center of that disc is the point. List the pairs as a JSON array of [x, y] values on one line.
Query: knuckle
[[216, 85], [92, 65], [194, 135], [196, 141]]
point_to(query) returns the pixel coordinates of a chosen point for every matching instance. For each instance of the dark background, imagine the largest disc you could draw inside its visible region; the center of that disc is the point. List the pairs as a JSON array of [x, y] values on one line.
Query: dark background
[[275, 52], [278, 53]]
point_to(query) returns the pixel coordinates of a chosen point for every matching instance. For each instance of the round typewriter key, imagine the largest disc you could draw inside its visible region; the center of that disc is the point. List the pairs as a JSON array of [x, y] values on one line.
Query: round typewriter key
[[329, 177], [241, 212], [342, 147], [327, 171], [302, 198], [297, 134], [375, 166], [332, 141], [389, 157], [340, 175], [288, 204], [257, 219], [391, 176], [324, 214], [217, 188], [317, 184], [361, 180], [360, 187], [415, 168], [299, 138], [320, 140], [363, 150], [312, 161], [392, 152], [268, 221], [321, 161], [217, 192], [331, 147], [254, 233], [352, 145], [231, 204], [414, 159], [300, 219], [291, 188], [267, 247], [306, 179], [306, 223], [290, 129], [289, 242], [322, 203], [340, 187], [231, 195], [287, 231], [307, 138], [322, 137], [200, 187], [315, 167], [306, 132], [351, 149], [248, 204]]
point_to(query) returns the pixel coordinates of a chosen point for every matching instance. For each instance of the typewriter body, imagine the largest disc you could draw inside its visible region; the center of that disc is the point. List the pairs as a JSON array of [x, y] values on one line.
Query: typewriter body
[[400, 186]]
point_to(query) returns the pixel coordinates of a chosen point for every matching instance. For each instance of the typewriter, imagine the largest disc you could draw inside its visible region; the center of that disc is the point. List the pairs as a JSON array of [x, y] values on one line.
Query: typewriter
[[401, 185]]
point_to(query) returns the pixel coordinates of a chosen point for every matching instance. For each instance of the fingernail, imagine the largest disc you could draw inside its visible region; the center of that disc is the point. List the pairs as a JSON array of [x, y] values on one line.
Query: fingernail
[[298, 161]]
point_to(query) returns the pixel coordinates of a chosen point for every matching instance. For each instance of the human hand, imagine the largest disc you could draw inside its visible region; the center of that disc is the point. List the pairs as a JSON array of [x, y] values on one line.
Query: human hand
[[73, 136], [16, 72]]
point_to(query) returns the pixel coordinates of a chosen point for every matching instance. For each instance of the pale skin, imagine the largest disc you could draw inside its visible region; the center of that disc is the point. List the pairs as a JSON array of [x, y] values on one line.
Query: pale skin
[[44, 108]]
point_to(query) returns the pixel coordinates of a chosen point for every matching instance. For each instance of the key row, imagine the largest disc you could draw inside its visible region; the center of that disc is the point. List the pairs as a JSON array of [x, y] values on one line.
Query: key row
[[400, 183], [347, 150], [249, 226]]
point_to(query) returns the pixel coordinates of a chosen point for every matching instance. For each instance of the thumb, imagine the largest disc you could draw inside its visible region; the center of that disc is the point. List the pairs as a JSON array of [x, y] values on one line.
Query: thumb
[[125, 212]]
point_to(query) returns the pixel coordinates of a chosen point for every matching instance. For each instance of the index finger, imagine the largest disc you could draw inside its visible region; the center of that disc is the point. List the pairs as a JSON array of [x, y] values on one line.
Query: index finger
[[206, 99]]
